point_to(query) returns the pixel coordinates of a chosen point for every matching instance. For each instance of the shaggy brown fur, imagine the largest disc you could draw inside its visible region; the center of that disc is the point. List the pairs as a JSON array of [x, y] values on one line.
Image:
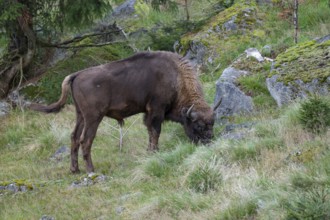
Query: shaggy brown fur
[[162, 85]]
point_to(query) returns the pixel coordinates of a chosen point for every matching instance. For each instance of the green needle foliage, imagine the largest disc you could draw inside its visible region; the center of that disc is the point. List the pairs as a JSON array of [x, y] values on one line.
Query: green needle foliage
[[314, 114]]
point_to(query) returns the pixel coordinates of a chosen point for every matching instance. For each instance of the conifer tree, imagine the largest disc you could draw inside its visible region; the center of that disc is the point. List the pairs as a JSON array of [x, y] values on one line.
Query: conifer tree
[[28, 24]]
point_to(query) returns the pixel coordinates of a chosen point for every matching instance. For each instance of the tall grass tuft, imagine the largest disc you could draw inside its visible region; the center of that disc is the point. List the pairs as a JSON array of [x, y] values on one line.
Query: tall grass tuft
[[161, 164], [310, 204], [239, 210], [205, 177]]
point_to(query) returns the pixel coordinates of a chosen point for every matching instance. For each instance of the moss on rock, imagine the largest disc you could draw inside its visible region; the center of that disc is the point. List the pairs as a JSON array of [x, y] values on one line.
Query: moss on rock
[[306, 61], [230, 32]]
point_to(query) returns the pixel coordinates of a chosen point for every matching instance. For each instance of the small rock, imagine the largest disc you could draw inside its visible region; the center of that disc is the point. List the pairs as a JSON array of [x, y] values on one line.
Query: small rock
[[253, 52], [75, 184], [120, 210], [47, 217], [91, 179], [13, 187], [61, 153], [23, 188]]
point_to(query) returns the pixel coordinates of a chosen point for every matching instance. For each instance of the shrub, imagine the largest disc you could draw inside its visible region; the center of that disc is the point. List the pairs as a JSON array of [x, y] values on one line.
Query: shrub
[[314, 114]]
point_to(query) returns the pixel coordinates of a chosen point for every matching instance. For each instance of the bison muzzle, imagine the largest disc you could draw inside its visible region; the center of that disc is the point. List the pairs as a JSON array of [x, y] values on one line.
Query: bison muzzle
[[162, 85]]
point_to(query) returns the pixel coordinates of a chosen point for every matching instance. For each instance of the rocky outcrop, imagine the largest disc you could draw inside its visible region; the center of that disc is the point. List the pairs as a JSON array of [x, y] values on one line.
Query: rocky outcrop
[[300, 71], [233, 100], [286, 93], [206, 47], [236, 98], [196, 53]]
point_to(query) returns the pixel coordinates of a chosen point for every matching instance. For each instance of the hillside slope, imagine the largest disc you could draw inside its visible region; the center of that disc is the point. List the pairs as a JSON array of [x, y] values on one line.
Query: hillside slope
[[265, 165]]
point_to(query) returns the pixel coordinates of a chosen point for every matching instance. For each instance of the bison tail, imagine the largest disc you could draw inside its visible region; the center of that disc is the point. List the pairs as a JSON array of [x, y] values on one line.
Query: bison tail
[[56, 106]]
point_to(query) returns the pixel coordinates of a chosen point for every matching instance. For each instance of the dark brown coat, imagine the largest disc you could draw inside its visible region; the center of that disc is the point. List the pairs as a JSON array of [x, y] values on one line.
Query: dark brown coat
[[162, 85]]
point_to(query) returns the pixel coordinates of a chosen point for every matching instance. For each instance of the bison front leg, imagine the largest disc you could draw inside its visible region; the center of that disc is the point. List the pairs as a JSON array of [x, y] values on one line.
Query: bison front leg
[[153, 123]]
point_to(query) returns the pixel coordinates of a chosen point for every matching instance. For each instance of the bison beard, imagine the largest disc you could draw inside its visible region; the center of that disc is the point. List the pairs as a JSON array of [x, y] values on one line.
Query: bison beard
[[162, 85]]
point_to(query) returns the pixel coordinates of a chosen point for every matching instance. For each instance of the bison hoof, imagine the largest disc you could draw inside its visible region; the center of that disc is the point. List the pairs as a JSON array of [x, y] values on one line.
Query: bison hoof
[[155, 149], [75, 170]]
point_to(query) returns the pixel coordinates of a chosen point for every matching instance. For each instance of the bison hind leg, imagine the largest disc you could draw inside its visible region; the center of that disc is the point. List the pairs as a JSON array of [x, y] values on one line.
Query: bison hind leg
[[91, 124], [75, 143]]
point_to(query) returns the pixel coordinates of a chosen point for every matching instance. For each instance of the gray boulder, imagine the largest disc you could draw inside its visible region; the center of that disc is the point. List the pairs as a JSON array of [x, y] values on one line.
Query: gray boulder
[[285, 94], [125, 9], [233, 100], [4, 108]]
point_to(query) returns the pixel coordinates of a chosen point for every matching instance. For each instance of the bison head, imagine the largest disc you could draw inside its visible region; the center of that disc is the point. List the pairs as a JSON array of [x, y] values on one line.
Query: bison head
[[198, 125]]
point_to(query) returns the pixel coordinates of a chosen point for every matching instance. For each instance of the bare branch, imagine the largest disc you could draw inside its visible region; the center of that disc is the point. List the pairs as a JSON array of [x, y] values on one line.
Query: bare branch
[[79, 46], [82, 37]]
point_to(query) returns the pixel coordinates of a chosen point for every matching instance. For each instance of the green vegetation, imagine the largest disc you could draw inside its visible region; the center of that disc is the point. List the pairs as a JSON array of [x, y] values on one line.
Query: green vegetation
[[278, 170], [314, 114]]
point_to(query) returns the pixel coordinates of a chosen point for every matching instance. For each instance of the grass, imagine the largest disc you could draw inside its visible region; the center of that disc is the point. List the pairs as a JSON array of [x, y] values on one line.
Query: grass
[[257, 177]]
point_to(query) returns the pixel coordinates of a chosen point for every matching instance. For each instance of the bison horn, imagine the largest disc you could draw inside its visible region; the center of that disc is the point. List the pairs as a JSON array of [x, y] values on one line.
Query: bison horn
[[189, 110], [217, 105]]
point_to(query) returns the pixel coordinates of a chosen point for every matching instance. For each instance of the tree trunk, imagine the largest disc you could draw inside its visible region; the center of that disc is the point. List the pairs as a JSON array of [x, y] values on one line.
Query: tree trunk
[[187, 10], [295, 21], [20, 51]]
